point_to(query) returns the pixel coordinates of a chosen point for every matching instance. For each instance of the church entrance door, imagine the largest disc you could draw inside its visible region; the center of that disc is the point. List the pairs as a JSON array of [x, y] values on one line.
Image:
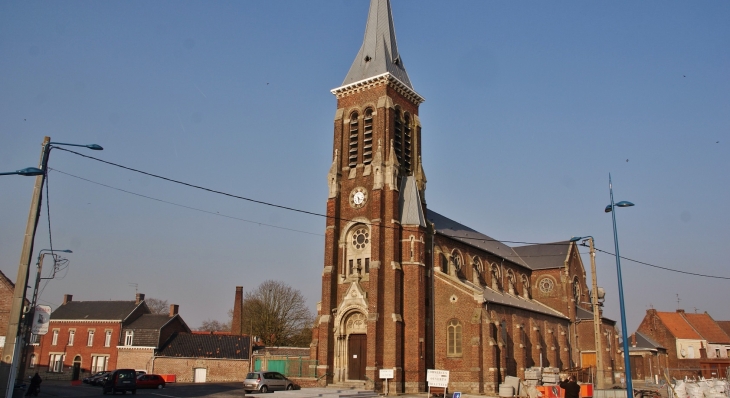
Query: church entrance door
[[357, 356]]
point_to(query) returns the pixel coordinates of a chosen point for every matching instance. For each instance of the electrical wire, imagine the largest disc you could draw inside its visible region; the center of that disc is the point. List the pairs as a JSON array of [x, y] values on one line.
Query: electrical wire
[[48, 212], [345, 219]]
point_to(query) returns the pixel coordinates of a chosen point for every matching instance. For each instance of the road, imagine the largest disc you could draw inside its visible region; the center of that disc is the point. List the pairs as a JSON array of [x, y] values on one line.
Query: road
[[218, 390]]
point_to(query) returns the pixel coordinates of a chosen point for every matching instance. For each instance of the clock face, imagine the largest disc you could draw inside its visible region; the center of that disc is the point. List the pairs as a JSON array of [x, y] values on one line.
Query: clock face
[[358, 197]]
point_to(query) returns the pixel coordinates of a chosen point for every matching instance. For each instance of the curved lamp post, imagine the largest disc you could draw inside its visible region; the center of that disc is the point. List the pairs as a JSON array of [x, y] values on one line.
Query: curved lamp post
[[625, 337], [13, 340], [600, 377]]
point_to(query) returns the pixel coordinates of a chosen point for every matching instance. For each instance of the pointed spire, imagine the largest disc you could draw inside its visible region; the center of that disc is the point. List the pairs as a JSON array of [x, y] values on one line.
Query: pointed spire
[[379, 51]]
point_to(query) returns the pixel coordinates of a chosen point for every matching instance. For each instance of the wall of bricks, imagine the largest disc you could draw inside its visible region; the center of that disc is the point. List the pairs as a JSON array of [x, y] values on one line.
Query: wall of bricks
[[135, 358], [6, 300], [217, 370]]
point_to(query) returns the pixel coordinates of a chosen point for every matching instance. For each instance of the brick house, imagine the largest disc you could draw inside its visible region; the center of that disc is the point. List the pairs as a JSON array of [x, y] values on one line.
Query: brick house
[[687, 338], [7, 288], [144, 336], [204, 357], [406, 288], [648, 358], [84, 337]]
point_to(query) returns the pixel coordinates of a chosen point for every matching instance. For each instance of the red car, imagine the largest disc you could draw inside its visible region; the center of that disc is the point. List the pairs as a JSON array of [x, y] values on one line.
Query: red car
[[150, 381]]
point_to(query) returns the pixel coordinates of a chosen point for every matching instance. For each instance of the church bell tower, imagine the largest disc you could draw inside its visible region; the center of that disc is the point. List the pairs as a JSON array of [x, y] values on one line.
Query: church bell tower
[[375, 311]]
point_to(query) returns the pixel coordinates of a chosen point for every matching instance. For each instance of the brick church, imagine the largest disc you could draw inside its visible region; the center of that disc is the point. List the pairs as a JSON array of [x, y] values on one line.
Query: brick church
[[406, 288]]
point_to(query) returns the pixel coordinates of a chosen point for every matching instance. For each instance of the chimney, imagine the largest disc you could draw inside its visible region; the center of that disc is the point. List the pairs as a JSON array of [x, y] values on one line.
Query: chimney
[[140, 298], [173, 309], [67, 298], [237, 321], [633, 339], [680, 311]]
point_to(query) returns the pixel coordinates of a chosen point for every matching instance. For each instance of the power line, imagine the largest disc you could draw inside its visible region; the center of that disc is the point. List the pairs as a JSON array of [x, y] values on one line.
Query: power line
[[338, 218]]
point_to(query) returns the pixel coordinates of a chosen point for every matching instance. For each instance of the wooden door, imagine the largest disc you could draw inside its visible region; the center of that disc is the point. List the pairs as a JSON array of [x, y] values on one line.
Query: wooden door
[[357, 356], [588, 359]]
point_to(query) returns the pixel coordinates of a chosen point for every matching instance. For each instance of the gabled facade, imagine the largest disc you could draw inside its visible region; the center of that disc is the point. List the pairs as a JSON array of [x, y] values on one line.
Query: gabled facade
[[648, 358], [406, 288]]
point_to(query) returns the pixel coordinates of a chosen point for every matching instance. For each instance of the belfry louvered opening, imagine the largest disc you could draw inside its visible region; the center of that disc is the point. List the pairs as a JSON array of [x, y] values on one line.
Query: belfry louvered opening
[[398, 138], [367, 148], [354, 134], [407, 140]]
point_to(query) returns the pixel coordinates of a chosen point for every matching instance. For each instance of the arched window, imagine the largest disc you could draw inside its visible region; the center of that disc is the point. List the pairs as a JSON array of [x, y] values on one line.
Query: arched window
[[453, 343], [525, 286], [354, 138], [576, 290], [458, 262], [511, 281], [495, 277], [358, 250], [478, 269], [367, 137], [407, 142], [398, 136], [444, 264]]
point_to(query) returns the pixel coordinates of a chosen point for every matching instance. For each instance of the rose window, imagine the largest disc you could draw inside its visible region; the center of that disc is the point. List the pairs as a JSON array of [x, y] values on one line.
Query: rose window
[[546, 285], [360, 238]]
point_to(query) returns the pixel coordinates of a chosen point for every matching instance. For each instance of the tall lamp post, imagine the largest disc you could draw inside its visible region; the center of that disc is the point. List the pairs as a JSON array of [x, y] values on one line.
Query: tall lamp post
[[627, 364], [9, 360], [600, 378]]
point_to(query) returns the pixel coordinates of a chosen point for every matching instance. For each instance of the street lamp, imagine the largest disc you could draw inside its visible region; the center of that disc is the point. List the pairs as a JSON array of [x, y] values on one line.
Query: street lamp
[[13, 338], [627, 364], [27, 326], [600, 377], [28, 172]]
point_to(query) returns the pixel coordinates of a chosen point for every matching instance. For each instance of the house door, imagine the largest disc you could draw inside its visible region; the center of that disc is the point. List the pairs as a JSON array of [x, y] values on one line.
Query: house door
[[199, 376], [637, 367], [357, 356], [77, 368]]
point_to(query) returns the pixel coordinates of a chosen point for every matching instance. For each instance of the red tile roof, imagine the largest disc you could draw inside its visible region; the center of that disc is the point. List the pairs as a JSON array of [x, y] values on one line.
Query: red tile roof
[[678, 326], [725, 325], [708, 328]]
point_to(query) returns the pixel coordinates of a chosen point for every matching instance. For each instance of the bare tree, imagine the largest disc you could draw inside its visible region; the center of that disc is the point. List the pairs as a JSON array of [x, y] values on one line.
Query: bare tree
[[157, 306], [214, 326], [277, 313]]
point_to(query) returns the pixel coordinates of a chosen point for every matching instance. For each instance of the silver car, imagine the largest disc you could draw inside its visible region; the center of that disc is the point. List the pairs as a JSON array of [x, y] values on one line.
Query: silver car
[[265, 381]]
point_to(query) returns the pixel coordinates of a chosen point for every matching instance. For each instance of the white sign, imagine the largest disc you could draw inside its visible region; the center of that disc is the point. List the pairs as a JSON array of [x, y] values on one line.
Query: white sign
[[41, 318], [386, 373], [437, 378]]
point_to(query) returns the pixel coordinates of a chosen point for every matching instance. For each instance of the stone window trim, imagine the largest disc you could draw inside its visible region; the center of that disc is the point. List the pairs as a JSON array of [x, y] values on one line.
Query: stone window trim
[[454, 338]]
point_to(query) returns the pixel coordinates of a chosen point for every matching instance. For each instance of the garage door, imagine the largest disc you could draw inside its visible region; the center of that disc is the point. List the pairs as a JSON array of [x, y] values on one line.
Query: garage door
[[199, 376]]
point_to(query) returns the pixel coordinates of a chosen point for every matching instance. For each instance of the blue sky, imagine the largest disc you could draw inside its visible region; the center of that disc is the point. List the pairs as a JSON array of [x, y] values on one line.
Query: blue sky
[[529, 107]]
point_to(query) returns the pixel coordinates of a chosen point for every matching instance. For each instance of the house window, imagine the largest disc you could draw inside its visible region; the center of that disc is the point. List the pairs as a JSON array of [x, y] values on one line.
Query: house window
[[453, 343], [129, 337], [691, 351], [71, 334], [367, 149], [90, 339], [108, 338], [354, 135], [34, 339], [99, 363], [55, 337], [32, 361], [55, 364]]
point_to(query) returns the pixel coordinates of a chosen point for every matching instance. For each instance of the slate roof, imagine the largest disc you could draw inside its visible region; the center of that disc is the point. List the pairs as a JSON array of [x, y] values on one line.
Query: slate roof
[[509, 300], [544, 256], [94, 310], [188, 345], [379, 51], [149, 321], [644, 341], [707, 328], [678, 326], [411, 209], [460, 232], [583, 313]]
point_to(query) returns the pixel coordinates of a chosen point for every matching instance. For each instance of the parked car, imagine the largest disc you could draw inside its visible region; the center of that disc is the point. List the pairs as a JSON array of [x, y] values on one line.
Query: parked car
[[99, 378], [120, 380], [87, 380], [150, 381], [265, 381], [140, 372]]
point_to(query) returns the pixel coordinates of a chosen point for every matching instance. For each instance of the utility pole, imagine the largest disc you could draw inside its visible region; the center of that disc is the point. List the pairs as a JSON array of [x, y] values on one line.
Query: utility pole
[[600, 377], [14, 339]]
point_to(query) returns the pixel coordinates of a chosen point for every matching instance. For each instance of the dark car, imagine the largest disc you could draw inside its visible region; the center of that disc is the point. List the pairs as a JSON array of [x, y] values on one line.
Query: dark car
[[120, 380], [98, 379], [150, 381], [265, 381], [88, 379]]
